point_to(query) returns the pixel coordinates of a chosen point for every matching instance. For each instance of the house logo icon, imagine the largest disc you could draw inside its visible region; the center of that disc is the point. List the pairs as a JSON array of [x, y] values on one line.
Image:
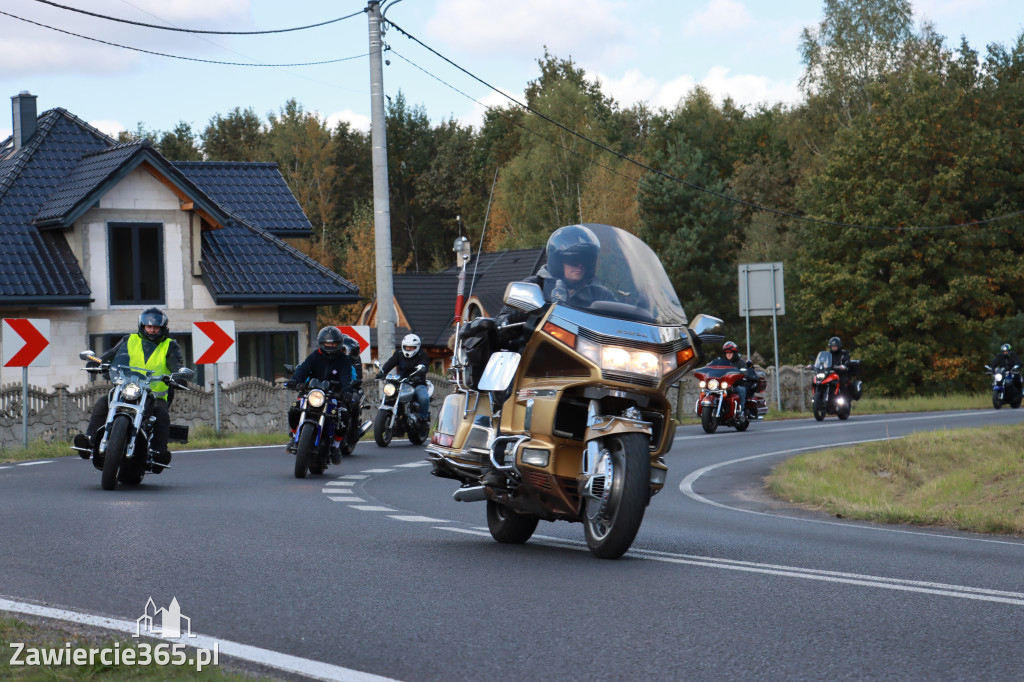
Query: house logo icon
[[170, 621]]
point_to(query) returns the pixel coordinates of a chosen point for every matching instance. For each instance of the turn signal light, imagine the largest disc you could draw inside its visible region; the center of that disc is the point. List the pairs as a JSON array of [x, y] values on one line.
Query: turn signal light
[[685, 355], [565, 336]]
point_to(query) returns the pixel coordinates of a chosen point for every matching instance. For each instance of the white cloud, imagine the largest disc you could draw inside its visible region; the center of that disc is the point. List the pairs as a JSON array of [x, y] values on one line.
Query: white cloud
[[523, 28], [719, 18], [5, 133], [109, 127], [744, 89], [356, 121]]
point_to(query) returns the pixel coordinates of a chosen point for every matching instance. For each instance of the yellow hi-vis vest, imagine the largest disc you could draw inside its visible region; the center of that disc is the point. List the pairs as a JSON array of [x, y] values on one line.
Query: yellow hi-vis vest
[[157, 361]]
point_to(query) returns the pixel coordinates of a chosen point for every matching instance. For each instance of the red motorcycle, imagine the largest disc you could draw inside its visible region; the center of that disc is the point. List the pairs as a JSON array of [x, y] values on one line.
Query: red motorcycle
[[828, 395], [719, 403]]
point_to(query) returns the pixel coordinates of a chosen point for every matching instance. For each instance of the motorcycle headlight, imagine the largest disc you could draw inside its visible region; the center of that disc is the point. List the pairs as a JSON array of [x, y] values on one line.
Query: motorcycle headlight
[[703, 384], [725, 384], [999, 377], [131, 392], [618, 359], [820, 376], [389, 390], [713, 384], [316, 398]]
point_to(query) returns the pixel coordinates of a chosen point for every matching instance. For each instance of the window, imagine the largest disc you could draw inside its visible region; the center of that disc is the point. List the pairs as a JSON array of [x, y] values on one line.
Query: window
[[263, 354], [136, 263]]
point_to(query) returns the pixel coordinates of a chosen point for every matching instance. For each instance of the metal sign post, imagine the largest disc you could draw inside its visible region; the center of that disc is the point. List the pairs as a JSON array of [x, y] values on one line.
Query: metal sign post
[[762, 293]]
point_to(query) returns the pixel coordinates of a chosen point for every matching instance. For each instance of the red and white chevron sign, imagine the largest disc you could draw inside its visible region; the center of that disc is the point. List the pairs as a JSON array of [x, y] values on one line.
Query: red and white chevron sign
[[214, 342], [26, 343]]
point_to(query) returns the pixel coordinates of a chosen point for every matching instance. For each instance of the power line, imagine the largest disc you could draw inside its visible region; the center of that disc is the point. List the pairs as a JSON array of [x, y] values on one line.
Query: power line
[[174, 56], [757, 207], [194, 30]]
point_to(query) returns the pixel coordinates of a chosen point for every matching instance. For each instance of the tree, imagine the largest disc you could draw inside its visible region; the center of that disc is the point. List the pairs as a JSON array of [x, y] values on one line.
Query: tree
[[238, 136], [180, 144]]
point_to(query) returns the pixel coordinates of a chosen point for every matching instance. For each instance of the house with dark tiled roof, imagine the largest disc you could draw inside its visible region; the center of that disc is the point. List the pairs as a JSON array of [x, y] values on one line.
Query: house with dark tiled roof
[[425, 303], [92, 232]]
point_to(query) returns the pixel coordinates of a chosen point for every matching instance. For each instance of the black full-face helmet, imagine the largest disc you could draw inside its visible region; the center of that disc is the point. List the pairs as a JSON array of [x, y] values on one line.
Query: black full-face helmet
[[350, 345], [1006, 348], [573, 244], [153, 317], [835, 341], [329, 341]]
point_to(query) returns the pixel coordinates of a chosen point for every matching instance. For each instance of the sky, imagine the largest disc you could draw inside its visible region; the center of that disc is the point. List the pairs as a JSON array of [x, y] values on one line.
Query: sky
[[639, 50]]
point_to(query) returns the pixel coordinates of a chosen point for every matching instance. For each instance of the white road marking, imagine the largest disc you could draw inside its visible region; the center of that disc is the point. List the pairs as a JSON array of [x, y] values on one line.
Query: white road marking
[[6, 467], [356, 477], [293, 664], [686, 487], [880, 582], [371, 508], [417, 519], [30, 464], [375, 471], [340, 483], [337, 498]]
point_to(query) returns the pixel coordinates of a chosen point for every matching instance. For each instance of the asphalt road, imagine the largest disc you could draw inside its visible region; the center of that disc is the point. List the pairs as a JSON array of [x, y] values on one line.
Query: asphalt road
[[372, 568]]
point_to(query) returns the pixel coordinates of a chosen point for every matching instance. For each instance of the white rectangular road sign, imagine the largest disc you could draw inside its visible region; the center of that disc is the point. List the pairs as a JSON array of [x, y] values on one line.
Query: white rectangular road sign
[[361, 335], [26, 343]]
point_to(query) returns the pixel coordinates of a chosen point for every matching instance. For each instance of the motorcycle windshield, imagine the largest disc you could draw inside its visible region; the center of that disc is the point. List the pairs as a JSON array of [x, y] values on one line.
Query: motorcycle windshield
[[629, 282], [137, 374], [823, 362]]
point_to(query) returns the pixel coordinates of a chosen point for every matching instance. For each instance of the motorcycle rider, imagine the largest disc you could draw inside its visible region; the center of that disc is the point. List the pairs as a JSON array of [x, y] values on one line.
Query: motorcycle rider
[[330, 361], [407, 359], [569, 274], [840, 361], [1006, 360], [152, 348], [731, 356]]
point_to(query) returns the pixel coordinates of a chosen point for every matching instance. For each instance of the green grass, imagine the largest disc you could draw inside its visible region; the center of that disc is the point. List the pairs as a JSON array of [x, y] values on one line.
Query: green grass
[[44, 634], [967, 479]]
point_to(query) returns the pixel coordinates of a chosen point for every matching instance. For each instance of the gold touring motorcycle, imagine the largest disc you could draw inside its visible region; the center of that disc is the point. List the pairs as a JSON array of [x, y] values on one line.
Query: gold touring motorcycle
[[577, 421]]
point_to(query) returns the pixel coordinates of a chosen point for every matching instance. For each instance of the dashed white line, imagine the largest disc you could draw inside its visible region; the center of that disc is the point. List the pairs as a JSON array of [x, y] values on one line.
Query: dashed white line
[[372, 508], [341, 483], [355, 477], [376, 471], [417, 519], [29, 464], [337, 498]]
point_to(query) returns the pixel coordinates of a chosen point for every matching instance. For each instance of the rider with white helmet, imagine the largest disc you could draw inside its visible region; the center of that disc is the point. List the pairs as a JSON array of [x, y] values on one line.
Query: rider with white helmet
[[407, 359]]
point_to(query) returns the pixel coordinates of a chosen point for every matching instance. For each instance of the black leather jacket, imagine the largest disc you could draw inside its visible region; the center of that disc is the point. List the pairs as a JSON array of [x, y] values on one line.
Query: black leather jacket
[[406, 366]]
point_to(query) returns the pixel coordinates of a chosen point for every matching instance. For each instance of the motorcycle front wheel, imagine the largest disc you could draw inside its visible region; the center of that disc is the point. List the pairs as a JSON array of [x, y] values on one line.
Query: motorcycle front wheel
[[116, 444], [418, 434], [383, 424], [818, 404], [843, 411], [612, 527], [508, 527], [304, 449], [708, 420], [997, 401]]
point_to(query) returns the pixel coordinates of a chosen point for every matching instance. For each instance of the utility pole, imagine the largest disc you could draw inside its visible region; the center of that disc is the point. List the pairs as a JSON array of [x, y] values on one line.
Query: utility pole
[[381, 202]]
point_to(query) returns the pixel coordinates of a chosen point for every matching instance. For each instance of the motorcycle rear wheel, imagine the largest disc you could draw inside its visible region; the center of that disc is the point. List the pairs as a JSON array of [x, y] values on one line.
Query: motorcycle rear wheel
[[818, 405], [709, 421], [1015, 403], [612, 531], [116, 444], [304, 449], [383, 427], [508, 527], [843, 411]]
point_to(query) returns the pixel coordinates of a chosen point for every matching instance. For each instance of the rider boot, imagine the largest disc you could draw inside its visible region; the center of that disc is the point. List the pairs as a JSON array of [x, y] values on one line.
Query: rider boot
[[335, 453], [161, 459], [83, 443]]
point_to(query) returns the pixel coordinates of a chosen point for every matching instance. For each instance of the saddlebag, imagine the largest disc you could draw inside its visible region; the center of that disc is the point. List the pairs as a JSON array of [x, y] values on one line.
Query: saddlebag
[[179, 433], [479, 339], [762, 382], [856, 389]]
